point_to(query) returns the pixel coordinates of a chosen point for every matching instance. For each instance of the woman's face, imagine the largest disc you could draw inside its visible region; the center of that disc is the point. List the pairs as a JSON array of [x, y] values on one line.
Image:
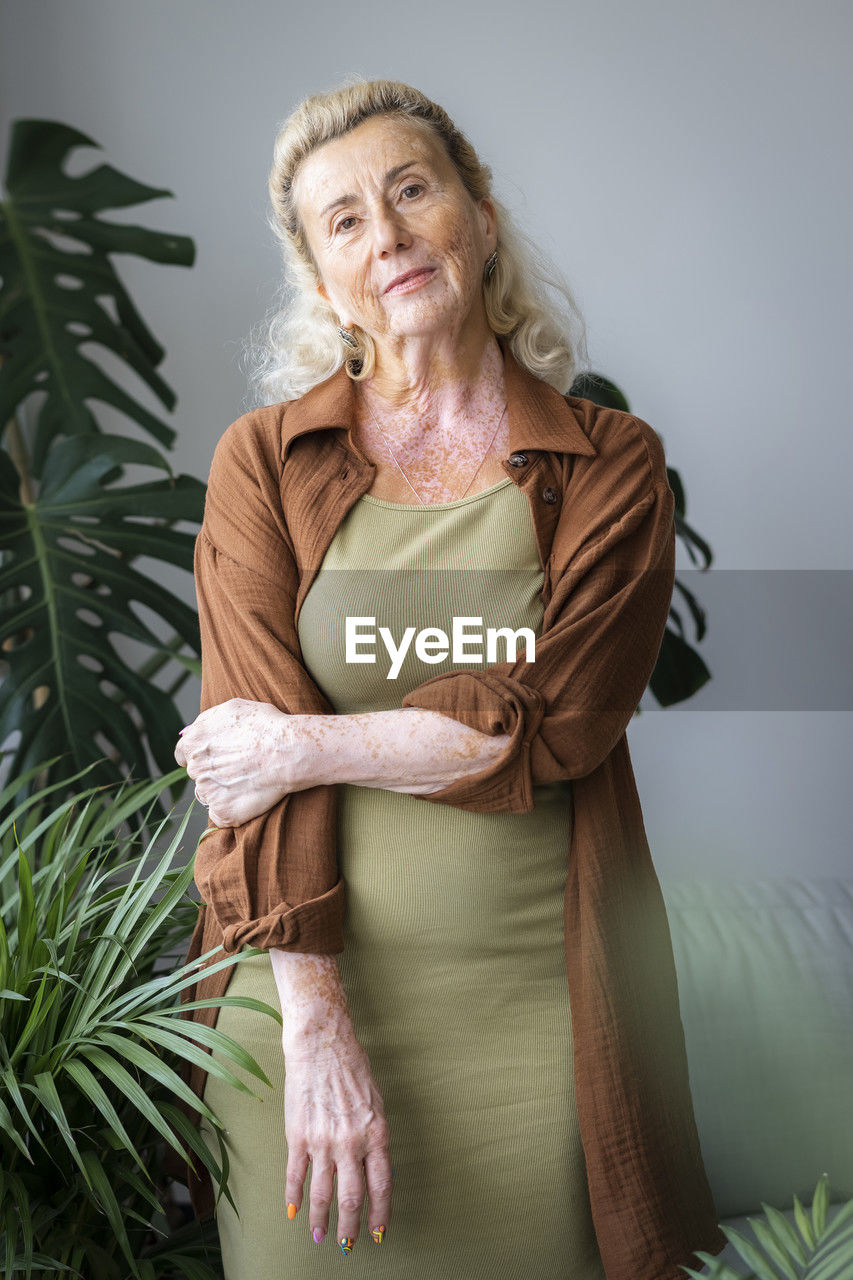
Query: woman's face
[[383, 200]]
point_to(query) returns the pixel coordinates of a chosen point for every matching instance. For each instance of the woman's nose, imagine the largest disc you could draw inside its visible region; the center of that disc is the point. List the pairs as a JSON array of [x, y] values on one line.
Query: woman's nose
[[390, 230]]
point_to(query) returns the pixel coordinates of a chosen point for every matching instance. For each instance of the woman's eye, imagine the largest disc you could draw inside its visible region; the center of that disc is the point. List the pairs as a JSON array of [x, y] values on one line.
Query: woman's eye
[[341, 224]]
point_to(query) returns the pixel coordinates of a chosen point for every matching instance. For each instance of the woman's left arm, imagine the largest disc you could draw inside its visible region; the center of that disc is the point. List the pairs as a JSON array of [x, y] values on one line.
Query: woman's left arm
[[404, 749], [244, 756]]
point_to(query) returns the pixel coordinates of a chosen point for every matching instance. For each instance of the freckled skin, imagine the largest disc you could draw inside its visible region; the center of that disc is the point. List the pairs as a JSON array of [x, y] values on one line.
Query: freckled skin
[[437, 392], [245, 756]]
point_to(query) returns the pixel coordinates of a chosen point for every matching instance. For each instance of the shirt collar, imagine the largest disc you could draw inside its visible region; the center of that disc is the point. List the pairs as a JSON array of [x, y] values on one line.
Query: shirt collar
[[539, 416]]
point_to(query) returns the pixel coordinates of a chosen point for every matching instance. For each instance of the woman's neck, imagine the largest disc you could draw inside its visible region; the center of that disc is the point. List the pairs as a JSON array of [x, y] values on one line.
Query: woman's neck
[[438, 401]]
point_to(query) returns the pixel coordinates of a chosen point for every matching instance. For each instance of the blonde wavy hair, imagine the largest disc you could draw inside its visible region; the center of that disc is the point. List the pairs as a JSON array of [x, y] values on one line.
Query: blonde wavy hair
[[298, 345]]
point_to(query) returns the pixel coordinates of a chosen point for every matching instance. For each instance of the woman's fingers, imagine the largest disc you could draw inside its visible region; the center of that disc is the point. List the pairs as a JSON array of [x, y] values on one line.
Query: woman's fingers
[[377, 1170], [350, 1203], [322, 1190], [239, 754], [297, 1168], [350, 1192]]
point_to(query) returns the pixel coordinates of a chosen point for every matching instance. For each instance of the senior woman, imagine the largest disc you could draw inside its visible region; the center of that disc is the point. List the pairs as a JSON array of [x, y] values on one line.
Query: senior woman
[[481, 1067]]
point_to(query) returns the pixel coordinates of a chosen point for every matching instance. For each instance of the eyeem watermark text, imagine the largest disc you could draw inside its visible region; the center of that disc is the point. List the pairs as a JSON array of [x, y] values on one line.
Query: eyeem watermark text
[[433, 645]]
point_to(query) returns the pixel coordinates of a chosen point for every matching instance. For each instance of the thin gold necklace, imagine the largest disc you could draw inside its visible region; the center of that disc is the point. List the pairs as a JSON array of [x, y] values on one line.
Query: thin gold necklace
[[406, 478]]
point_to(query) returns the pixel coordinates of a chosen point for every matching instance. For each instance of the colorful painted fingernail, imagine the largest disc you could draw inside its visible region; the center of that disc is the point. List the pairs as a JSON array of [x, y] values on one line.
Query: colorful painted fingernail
[[291, 1211], [319, 1235], [346, 1245], [378, 1233]]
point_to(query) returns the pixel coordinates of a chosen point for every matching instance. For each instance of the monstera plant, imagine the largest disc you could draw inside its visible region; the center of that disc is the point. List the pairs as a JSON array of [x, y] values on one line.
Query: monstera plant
[[71, 533], [679, 671]]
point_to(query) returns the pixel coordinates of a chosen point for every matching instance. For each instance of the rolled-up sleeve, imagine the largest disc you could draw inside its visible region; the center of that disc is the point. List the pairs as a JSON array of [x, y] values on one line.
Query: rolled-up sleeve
[[612, 571], [272, 881]]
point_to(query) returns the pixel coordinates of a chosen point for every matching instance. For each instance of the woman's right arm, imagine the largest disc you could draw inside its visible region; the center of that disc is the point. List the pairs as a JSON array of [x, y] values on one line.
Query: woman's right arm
[[334, 1114], [274, 882]]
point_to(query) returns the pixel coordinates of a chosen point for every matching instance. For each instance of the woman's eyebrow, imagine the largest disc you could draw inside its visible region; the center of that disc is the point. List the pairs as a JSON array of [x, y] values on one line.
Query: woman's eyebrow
[[352, 195]]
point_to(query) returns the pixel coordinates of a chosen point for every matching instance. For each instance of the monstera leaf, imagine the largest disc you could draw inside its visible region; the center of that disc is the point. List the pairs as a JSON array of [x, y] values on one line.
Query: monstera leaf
[[70, 532], [680, 669], [56, 298], [70, 556]]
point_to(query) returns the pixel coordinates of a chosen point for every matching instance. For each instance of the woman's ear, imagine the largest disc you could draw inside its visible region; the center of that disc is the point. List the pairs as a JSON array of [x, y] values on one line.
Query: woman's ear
[[324, 294], [489, 221]]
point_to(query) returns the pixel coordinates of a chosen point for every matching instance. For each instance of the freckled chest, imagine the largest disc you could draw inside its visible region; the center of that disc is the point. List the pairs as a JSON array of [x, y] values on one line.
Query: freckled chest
[[440, 469]]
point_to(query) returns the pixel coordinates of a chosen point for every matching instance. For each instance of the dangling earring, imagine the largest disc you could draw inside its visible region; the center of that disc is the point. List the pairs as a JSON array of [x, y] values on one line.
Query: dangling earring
[[491, 263], [348, 337]]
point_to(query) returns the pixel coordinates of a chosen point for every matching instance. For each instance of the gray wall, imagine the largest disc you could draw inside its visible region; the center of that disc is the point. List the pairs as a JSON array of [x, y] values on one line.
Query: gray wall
[[688, 168]]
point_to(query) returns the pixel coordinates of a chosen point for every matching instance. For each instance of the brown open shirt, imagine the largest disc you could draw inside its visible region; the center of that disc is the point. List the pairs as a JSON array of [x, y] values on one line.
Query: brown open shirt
[[282, 479]]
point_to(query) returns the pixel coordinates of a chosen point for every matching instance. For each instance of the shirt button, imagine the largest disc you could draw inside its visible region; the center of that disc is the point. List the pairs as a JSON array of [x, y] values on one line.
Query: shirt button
[[518, 460], [549, 495]]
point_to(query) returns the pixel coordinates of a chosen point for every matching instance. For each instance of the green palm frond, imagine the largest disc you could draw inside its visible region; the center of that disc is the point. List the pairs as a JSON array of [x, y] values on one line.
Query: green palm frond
[[818, 1252], [93, 1042]]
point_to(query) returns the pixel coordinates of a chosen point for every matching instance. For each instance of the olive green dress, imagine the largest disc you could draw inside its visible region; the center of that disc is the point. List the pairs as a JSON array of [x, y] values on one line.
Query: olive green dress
[[454, 963]]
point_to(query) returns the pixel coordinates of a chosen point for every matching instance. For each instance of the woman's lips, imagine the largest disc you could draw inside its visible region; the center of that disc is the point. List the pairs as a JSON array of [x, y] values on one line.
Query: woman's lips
[[413, 282]]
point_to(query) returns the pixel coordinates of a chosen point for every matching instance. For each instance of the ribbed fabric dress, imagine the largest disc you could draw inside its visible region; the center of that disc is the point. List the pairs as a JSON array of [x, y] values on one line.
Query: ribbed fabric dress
[[454, 964]]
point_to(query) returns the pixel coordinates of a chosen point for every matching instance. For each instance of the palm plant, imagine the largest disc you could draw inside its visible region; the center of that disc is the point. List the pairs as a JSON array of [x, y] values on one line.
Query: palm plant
[[821, 1251], [92, 1041], [69, 533]]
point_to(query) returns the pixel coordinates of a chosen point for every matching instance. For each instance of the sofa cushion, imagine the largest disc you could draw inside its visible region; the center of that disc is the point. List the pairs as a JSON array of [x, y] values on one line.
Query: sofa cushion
[[765, 980]]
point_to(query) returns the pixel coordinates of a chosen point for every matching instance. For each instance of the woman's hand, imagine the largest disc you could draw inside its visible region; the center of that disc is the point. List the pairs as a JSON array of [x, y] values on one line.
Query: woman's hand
[[243, 758], [334, 1117]]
